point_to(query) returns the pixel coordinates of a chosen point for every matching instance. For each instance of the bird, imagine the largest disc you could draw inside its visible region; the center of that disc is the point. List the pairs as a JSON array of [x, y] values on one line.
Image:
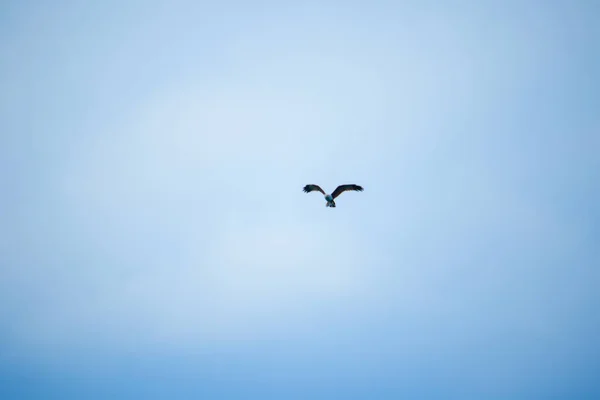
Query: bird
[[331, 197]]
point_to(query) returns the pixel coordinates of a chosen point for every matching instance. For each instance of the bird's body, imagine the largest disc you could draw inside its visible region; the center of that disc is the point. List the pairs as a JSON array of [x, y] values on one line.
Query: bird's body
[[329, 198], [330, 202]]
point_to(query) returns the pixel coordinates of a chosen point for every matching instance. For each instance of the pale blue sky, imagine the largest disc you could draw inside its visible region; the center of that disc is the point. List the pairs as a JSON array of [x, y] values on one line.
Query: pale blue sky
[[156, 242]]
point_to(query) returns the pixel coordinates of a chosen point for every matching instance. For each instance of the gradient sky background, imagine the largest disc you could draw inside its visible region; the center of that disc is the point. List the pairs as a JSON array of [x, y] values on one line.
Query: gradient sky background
[[156, 242]]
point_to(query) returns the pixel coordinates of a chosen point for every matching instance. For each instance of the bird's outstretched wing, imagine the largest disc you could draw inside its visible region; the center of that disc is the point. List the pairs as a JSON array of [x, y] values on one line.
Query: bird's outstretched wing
[[342, 188], [310, 188]]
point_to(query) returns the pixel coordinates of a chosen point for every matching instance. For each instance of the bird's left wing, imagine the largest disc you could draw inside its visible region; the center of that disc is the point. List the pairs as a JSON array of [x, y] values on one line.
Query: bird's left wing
[[310, 188], [342, 188]]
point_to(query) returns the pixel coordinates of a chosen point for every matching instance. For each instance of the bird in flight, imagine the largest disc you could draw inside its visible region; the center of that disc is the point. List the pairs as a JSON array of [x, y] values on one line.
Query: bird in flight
[[331, 197]]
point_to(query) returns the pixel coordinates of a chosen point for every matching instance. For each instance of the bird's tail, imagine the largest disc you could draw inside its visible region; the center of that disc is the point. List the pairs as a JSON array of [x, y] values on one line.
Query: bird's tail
[[330, 204]]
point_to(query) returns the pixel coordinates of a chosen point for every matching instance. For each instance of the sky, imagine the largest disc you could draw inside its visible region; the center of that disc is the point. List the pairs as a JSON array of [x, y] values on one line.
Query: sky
[[155, 241]]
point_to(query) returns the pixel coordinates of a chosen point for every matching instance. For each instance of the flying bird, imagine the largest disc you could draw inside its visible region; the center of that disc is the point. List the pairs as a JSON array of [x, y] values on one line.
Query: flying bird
[[330, 197]]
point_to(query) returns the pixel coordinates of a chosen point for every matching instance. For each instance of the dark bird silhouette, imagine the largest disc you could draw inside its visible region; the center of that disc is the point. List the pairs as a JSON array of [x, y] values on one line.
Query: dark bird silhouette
[[331, 197]]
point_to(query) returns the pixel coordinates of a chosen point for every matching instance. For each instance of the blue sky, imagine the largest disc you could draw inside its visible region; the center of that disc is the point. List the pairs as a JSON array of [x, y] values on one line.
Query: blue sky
[[156, 242]]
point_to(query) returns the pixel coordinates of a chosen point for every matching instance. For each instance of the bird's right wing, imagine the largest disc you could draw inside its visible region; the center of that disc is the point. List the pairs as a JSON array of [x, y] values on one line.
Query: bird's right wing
[[342, 188], [310, 188]]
